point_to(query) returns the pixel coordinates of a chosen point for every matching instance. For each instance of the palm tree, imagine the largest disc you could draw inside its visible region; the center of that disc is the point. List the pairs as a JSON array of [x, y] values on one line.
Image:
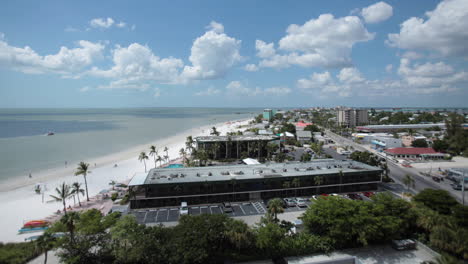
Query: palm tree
[[166, 158], [275, 207], [83, 170], [408, 181], [167, 154], [340, 174], [44, 243], [214, 132], [62, 195], [76, 189], [189, 144], [113, 183], [318, 181], [296, 183], [69, 220], [286, 185], [159, 159], [153, 152], [143, 157], [182, 152]]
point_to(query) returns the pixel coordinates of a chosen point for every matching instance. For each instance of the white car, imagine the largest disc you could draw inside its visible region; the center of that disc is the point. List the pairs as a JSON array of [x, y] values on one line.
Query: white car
[[183, 208], [301, 202]]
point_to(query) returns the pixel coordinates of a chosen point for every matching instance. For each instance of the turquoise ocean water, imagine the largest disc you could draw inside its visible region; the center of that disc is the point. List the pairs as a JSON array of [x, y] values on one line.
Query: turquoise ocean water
[[83, 134]]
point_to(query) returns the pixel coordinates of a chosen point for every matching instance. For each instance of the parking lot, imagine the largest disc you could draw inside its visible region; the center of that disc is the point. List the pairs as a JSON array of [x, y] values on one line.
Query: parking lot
[[171, 214]]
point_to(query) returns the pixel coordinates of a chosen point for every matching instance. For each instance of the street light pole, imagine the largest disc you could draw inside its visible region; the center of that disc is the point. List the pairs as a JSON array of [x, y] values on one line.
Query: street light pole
[[463, 188]]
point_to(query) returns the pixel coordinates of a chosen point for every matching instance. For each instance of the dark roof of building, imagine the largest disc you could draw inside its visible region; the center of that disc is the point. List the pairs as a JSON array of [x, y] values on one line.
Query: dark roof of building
[[236, 138], [411, 151], [244, 172]]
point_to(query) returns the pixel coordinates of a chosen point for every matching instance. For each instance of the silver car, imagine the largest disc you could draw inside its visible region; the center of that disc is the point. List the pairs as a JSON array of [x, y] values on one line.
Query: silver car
[[290, 202], [301, 202]]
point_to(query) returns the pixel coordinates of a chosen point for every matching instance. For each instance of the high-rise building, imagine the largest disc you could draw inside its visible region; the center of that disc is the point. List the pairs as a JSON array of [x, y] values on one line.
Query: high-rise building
[[352, 117]]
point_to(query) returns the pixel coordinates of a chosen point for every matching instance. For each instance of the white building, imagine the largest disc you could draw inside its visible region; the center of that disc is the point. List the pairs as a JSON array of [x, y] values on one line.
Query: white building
[[352, 117]]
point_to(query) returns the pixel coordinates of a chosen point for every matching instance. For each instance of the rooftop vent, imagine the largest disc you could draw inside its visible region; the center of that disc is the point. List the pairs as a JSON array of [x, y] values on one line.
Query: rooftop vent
[[225, 173], [296, 169], [239, 173], [210, 174], [182, 175], [318, 167], [310, 168], [174, 175], [273, 170], [198, 174], [285, 170]]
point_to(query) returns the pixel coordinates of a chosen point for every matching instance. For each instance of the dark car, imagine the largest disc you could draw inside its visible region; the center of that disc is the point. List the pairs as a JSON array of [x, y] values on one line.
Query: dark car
[[354, 196], [404, 244], [457, 187], [227, 208], [436, 179], [368, 194]]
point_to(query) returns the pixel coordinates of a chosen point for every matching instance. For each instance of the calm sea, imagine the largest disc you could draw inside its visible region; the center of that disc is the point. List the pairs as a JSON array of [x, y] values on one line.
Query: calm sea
[[83, 134]]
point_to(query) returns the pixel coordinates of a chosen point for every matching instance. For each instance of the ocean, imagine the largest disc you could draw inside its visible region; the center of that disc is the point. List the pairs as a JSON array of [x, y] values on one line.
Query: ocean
[[83, 134]]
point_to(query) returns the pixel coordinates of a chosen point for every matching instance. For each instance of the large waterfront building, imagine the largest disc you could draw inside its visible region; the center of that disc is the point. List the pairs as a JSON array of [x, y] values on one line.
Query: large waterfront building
[[199, 185], [235, 147], [352, 117], [268, 114]]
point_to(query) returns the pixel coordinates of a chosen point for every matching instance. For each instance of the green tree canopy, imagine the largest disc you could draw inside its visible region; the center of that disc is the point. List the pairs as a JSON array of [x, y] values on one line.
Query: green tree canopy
[[438, 200]]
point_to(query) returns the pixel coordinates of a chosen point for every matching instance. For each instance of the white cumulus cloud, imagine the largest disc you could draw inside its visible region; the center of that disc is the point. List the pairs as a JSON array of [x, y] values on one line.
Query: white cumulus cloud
[[136, 64], [212, 55], [322, 42], [210, 91], [251, 67], [238, 88], [377, 12], [443, 31], [66, 61], [101, 22]]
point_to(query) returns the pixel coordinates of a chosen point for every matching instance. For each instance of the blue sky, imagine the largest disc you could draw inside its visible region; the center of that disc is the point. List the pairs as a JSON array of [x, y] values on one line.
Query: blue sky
[[233, 54]]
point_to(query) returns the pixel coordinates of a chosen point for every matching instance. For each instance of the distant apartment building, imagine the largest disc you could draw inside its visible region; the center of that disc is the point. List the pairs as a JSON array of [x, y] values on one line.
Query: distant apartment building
[[352, 117], [268, 114]]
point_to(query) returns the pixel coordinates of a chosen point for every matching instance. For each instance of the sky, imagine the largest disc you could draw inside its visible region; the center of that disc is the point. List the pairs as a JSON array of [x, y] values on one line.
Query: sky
[[233, 53]]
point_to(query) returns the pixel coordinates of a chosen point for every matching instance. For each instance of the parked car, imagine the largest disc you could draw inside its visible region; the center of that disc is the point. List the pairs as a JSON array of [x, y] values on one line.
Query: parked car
[[290, 202], [436, 179], [183, 209], [457, 187], [404, 244], [368, 194], [301, 202], [354, 196], [227, 207]]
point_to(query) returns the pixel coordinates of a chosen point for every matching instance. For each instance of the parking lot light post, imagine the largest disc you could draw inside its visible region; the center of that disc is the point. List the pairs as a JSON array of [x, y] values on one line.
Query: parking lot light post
[[463, 188]]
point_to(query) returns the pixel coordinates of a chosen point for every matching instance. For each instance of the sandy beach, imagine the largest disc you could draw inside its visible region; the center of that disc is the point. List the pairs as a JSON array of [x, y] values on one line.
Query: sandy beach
[[20, 203]]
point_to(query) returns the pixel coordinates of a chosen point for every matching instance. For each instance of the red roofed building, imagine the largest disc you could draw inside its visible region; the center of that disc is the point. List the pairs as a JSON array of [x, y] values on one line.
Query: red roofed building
[[301, 125], [415, 153]]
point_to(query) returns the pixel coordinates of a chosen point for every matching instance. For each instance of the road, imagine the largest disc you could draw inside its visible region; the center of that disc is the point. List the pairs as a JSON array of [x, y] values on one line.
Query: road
[[397, 172]]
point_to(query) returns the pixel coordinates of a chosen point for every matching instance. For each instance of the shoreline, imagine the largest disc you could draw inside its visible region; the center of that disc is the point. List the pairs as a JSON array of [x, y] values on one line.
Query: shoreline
[[101, 161], [20, 203]]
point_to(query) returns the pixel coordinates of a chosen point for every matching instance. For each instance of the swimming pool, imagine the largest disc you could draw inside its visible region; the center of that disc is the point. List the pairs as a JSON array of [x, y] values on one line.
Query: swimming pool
[[175, 166]]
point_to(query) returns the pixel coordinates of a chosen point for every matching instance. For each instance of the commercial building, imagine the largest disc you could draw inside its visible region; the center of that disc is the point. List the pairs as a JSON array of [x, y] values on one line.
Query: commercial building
[[408, 139], [394, 128], [415, 153], [352, 117], [381, 143], [301, 125], [199, 185], [303, 136], [234, 147]]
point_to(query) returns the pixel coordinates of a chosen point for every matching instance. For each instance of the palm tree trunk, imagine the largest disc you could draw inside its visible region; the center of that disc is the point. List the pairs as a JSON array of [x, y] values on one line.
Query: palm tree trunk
[[64, 206], [45, 257], [144, 162], [78, 197], [86, 187]]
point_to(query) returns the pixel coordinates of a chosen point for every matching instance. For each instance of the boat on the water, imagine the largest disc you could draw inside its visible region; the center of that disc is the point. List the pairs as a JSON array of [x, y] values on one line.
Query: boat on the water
[[32, 230], [50, 133]]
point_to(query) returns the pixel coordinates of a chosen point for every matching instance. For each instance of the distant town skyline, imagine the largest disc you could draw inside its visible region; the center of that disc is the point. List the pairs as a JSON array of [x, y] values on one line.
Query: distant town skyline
[[234, 54]]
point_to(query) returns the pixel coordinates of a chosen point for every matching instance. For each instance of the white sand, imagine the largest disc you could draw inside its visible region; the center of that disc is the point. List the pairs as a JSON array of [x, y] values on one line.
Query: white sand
[[19, 203]]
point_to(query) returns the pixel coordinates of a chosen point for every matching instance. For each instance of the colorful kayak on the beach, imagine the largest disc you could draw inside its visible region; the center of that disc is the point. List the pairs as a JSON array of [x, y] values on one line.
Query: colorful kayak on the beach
[[36, 223], [32, 230]]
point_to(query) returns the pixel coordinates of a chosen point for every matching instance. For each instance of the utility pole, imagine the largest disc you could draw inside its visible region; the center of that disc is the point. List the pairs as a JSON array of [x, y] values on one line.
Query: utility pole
[[463, 188]]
